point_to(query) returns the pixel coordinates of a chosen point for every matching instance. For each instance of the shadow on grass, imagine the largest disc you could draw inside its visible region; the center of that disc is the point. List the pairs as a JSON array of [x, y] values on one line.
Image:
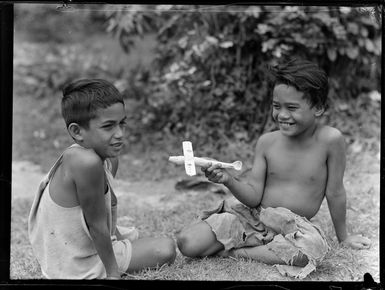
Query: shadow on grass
[[163, 212]]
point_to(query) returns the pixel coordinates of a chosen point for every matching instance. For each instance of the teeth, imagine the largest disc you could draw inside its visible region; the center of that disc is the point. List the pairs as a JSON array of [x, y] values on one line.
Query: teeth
[[286, 124]]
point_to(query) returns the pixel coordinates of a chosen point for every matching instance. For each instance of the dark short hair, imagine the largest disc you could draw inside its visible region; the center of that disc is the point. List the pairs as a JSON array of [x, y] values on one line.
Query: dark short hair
[[306, 77], [82, 98]]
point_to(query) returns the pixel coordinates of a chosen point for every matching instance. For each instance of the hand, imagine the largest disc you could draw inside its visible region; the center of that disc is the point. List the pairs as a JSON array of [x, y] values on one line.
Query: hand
[[356, 242], [215, 173]]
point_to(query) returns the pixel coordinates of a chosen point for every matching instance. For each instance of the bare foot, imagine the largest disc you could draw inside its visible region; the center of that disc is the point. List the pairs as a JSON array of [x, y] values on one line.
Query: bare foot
[[226, 253]]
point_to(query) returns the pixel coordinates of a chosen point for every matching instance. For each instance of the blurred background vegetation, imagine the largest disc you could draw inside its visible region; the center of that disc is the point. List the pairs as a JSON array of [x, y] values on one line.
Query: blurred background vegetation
[[195, 73]]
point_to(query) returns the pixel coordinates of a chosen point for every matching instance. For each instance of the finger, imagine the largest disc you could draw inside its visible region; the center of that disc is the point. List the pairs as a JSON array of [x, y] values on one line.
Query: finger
[[351, 244], [362, 246], [214, 176], [359, 245], [367, 240], [219, 174], [366, 243], [217, 165], [210, 167], [219, 177]]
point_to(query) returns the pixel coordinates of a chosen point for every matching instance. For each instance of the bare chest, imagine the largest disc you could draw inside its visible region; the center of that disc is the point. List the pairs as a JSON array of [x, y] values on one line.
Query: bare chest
[[299, 165]]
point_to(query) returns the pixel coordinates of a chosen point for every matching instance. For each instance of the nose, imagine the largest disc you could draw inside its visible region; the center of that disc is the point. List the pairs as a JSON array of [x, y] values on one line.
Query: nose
[[283, 115], [119, 133]]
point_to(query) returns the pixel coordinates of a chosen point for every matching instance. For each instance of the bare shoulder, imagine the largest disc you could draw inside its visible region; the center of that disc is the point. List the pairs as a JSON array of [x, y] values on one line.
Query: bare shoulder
[[330, 135], [333, 140], [267, 139], [82, 162]]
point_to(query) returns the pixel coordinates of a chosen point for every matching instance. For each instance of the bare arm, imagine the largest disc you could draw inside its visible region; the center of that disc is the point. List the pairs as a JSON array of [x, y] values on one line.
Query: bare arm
[[336, 195], [250, 192], [89, 179], [335, 190]]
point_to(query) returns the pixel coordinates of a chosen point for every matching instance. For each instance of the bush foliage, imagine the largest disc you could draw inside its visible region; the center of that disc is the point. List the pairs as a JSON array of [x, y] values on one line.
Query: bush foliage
[[209, 83]]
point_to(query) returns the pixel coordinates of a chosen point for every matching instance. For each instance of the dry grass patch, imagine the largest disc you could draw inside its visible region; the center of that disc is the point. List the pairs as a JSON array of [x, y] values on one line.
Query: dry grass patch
[[166, 210]]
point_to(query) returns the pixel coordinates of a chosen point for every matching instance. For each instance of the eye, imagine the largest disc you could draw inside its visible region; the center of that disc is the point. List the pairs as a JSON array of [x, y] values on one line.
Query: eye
[[108, 126], [291, 108], [275, 106]]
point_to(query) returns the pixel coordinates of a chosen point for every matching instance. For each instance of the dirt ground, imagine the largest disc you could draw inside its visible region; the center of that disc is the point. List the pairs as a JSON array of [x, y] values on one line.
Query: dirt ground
[[27, 175], [362, 181], [162, 195]]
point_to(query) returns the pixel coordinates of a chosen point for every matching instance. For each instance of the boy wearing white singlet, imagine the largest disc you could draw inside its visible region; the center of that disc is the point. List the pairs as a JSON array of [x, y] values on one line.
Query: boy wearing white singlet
[[72, 223]]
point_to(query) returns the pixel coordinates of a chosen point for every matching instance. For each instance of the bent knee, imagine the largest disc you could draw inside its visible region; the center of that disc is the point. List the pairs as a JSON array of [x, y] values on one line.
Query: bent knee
[[165, 251], [185, 242], [198, 241]]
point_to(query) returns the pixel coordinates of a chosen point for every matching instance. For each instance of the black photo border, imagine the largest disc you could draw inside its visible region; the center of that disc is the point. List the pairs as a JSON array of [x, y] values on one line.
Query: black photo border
[[6, 109]]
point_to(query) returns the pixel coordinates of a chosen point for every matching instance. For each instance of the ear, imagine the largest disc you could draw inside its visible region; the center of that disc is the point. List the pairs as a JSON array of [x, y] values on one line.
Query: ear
[[319, 110], [75, 131]]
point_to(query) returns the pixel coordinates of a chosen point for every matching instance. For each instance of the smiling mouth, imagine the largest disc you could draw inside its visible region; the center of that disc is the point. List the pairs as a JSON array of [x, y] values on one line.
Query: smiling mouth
[[117, 145], [286, 124]]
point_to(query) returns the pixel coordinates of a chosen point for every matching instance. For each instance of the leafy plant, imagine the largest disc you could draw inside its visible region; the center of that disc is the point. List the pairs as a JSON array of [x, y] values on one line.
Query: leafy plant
[[209, 80]]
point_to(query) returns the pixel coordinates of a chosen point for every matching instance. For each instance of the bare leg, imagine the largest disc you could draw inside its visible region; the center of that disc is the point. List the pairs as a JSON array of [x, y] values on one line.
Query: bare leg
[[263, 254], [198, 240], [259, 253], [151, 252]]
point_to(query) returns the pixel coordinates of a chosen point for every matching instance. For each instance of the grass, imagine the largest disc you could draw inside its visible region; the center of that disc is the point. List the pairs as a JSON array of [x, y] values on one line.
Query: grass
[[152, 203], [175, 209]]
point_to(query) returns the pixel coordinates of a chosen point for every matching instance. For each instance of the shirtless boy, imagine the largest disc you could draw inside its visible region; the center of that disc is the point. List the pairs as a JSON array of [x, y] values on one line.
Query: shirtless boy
[[294, 168], [72, 223]]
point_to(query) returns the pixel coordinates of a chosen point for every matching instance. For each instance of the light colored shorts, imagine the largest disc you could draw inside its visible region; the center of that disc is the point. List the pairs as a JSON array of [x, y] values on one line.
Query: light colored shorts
[[123, 248], [285, 233]]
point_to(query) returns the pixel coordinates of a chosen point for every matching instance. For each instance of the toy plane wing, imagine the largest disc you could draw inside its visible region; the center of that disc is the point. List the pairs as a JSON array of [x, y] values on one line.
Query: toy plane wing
[[189, 163]]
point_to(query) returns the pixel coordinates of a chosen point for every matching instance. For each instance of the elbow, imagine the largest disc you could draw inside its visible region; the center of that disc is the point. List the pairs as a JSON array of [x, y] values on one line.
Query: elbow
[[254, 203], [257, 196], [336, 194]]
